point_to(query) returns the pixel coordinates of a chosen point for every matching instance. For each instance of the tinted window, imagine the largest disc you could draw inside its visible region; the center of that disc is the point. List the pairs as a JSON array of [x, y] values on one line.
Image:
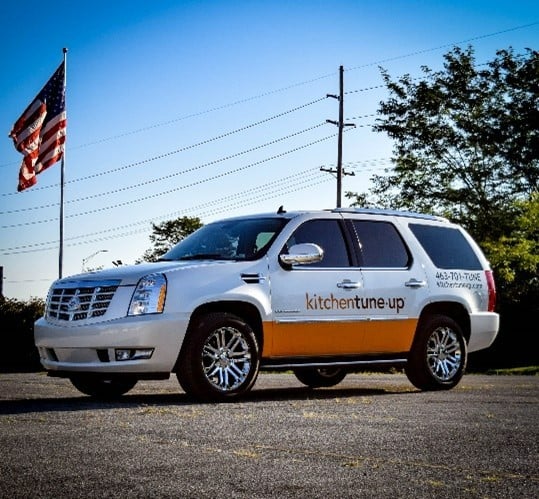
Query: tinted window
[[447, 247], [328, 235], [381, 245], [235, 239]]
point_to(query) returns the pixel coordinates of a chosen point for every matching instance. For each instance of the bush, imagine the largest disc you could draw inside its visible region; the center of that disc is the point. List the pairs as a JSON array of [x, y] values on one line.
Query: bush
[[513, 346], [19, 353]]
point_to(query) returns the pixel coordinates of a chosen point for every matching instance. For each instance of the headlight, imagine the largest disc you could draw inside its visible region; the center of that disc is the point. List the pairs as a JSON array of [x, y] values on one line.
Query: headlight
[[149, 295]]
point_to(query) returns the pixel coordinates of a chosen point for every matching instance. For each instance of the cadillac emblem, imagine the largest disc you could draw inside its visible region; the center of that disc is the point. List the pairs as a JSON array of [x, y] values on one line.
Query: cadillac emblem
[[73, 304]]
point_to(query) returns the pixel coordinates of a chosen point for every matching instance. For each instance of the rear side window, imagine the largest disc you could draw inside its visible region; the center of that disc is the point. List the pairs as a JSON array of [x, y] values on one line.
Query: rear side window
[[447, 247], [381, 245]]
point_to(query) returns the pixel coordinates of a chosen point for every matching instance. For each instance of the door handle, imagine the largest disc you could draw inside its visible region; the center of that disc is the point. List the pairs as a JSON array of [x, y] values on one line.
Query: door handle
[[415, 283], [348, 284]]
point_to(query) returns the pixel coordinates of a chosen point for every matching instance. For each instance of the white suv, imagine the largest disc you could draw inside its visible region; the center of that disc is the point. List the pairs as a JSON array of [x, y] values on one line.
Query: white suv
[[321, 293]]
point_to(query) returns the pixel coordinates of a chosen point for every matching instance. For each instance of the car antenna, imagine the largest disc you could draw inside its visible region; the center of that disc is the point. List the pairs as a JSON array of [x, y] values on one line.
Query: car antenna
[[281, 210]]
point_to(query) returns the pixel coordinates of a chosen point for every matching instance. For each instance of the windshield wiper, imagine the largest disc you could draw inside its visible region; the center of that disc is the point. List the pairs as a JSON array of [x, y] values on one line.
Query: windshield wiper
[[205, 256]]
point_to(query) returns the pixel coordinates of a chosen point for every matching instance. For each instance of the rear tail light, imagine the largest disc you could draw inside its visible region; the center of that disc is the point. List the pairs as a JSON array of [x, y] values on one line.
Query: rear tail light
[[491, 290]]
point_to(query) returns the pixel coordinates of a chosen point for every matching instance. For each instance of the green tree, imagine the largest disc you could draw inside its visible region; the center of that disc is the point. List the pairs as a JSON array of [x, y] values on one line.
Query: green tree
[[167, 234], [466, 146], [466, 140], [515, 257]]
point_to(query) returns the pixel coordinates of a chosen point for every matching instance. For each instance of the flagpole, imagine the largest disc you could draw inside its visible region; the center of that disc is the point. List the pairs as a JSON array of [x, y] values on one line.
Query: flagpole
[[62, 172]]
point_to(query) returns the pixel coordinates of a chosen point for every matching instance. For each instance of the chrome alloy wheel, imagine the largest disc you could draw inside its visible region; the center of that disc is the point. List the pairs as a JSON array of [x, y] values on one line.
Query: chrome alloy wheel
[[444, 356], [226, 358]]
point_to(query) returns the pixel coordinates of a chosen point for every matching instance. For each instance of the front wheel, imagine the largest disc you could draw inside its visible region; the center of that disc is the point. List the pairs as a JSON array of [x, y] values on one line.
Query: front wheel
[[438, 357], [316, 377], [219, 359], [102, 388]]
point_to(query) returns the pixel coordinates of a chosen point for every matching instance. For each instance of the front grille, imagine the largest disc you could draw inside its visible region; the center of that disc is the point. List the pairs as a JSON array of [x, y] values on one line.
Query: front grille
[[77, 301]]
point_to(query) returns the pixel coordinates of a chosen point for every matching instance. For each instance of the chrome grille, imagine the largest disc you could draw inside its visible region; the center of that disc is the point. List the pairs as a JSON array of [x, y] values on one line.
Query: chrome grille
[[77, 301]]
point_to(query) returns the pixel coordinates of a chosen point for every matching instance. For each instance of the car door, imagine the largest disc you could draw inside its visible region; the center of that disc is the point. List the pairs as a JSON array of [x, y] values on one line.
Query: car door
[[315, 305], [394, 285]]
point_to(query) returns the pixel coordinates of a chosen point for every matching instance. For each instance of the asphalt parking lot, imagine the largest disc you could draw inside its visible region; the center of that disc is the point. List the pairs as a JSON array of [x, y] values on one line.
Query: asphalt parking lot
[[373, 435]]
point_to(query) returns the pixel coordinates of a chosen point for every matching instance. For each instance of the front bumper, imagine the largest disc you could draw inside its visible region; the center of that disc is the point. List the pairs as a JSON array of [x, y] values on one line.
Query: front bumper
[[92, 348]]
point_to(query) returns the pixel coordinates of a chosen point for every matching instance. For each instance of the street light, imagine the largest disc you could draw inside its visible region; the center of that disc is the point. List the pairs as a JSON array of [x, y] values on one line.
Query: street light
[[85, 260]]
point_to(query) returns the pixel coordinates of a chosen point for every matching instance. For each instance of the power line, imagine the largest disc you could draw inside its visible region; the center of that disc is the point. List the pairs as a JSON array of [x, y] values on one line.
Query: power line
[[295, 85], [172, 175], [296, 181], [207, 111], [182, 149], [314, 79], [439, 47], [170, 191], [248, 126], [252, 195]]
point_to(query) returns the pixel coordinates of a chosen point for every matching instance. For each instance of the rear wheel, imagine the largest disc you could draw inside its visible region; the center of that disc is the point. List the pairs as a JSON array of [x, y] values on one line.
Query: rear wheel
[[102, 388], [438, 357], [219, 359], [320, 376]]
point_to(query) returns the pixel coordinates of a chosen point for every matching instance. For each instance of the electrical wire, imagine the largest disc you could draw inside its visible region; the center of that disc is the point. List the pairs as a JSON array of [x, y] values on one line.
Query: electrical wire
[[307, 178], [240, 199], [182, 149], [172, 175], [176, 189], [230, 133]]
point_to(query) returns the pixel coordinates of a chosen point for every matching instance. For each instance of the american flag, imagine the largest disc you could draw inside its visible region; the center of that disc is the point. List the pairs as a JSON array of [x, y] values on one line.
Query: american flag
[[39, 134]]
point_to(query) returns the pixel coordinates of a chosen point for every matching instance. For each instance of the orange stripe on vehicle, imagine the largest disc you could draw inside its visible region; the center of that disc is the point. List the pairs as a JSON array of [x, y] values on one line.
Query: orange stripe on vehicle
[[316, 338], [388, 336], [337, 338]]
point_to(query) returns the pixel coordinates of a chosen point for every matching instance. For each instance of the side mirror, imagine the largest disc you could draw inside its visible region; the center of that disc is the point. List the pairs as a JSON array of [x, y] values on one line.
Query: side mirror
[[302, 254]]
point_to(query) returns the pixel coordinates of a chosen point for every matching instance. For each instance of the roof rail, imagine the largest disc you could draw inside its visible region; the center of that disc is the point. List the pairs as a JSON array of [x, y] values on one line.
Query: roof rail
[[393, 213]]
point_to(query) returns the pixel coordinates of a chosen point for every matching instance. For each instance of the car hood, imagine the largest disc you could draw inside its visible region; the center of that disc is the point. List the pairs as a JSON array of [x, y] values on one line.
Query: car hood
[[131, 274]]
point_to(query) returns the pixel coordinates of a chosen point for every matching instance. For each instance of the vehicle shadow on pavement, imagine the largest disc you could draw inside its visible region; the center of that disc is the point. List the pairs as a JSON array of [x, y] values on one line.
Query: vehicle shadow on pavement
[[84, 403]]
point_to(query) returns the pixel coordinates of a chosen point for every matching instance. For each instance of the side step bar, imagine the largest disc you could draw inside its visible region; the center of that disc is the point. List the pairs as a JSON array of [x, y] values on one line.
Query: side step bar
[[345, 364]]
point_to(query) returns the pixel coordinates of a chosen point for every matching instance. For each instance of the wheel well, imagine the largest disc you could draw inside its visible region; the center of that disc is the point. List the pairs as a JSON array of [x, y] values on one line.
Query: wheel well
[[246, 311], [451, 309]]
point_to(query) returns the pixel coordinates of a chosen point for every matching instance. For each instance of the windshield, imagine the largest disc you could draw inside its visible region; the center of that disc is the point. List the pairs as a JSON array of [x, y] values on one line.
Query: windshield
[[241, 239]]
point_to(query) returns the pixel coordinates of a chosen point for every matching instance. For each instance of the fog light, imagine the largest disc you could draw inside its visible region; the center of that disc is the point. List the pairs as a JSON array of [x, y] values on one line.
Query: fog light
[[133, 354], [123, 354]]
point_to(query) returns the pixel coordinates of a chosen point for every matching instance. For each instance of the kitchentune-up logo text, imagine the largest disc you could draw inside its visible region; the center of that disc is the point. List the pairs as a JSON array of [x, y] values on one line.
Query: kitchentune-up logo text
[[331, 302]]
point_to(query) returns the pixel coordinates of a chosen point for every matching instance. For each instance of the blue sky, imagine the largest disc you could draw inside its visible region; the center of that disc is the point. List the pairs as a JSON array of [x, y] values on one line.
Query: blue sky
[[209, 109]]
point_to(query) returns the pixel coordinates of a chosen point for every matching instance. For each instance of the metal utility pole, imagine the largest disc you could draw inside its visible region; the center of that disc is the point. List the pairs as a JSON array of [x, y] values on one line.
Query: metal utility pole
[[341, 126]]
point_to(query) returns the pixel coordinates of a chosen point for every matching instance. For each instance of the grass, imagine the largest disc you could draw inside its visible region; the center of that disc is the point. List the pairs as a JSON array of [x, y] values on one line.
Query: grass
[[516, 371]]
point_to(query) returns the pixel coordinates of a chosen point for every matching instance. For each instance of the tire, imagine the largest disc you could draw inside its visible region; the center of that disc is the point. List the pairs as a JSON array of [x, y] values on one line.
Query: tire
[[439, 353], [102, 388], [316, 377], [219, 360]]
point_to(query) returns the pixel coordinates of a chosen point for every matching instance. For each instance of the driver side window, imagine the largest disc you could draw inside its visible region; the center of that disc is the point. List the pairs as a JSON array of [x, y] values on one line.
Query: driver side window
[[329, 236]]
